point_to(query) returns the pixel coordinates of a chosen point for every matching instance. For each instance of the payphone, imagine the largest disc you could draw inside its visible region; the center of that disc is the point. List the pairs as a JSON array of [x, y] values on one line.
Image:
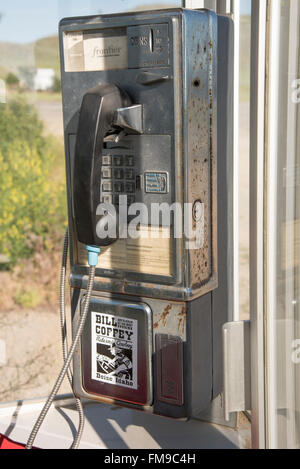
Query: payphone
[[140, 96]]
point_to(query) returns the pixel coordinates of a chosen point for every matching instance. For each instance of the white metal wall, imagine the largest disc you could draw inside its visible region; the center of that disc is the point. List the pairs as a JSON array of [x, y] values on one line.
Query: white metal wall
[[275, 221], [257, 174]]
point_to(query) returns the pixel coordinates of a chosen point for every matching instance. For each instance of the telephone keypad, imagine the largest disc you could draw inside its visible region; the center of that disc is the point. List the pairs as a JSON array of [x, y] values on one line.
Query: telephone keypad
[[119, 177]]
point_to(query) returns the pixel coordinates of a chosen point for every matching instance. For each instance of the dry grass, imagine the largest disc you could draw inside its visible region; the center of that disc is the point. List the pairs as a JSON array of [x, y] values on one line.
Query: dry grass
[[33, 283]]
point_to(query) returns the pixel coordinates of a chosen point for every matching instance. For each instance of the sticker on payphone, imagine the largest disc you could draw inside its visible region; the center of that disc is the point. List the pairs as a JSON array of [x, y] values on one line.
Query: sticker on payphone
[[114, 350], [156, 183]]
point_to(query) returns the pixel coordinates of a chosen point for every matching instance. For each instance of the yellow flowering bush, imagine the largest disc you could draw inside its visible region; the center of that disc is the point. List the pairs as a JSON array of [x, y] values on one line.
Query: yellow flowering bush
[[19, 121], [31, 201]]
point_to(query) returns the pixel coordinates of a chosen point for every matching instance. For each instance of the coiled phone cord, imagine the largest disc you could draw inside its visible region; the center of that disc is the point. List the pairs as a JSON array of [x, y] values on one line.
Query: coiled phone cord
[[67, 361]]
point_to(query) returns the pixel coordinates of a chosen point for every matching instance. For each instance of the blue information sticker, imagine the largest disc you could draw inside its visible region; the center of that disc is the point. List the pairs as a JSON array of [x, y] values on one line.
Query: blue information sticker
[[156, 183]]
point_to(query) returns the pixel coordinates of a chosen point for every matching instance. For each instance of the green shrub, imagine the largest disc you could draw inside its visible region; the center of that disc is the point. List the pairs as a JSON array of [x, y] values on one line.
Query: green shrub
[[28, 298], [19, 122], [56, 85], [12, 80], [32, 199]]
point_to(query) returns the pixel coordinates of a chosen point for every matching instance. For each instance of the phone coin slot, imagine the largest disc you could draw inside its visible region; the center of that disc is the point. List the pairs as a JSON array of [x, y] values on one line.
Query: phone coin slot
[[151, 39]]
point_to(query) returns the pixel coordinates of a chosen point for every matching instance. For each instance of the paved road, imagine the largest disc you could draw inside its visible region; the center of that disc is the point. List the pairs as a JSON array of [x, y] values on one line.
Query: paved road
[[32, 344], [51, 114]]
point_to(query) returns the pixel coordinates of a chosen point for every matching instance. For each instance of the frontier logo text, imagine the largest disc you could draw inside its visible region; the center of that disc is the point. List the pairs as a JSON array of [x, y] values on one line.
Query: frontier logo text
[[107, 52]]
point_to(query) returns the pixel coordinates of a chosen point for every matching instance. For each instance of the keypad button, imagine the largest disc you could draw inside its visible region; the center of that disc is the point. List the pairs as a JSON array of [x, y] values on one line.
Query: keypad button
[[118, 160], [106, 173], [107, 199], [118, 187], [118, 174], [106, 160], [129, 174], [129, 187], [129, 160], [107, 186]]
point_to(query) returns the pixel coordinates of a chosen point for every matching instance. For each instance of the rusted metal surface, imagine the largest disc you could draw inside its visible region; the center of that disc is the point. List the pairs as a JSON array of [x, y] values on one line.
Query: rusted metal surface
[[163, 317], [201, 148], [169, 318]]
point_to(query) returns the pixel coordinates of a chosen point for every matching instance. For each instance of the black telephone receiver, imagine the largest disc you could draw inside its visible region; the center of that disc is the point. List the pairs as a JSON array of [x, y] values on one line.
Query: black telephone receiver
[[98, 109]]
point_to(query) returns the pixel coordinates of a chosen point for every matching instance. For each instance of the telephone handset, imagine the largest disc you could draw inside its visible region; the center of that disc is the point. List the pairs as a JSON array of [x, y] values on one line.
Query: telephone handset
[[97, 119]]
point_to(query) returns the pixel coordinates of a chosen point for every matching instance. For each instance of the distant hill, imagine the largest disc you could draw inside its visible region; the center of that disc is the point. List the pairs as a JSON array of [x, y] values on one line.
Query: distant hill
[[46, 53], [43, 53], [13, 56], [3, 73]]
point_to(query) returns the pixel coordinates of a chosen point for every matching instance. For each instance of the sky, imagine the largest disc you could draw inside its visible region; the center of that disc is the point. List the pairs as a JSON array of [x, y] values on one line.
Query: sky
[[25, 21]]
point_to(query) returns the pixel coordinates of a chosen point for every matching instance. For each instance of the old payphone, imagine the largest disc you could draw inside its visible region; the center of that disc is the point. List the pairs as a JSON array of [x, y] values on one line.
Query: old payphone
[[142, 128]]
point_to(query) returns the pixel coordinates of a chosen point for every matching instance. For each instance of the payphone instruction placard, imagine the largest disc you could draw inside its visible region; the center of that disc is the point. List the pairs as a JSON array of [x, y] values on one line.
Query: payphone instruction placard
[[85, 52], [114, 350]]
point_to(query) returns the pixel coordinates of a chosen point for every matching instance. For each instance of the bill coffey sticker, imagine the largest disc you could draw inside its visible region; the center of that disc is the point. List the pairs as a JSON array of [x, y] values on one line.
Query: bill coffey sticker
[[114, 350]]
